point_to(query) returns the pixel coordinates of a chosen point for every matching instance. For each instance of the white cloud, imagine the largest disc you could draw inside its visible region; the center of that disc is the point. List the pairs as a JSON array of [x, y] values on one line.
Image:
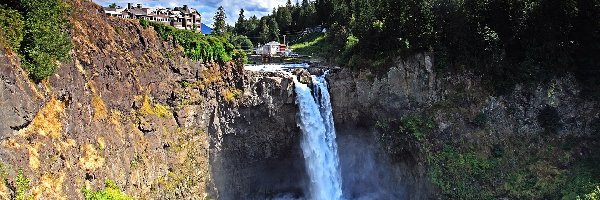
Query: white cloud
[[208, 8]]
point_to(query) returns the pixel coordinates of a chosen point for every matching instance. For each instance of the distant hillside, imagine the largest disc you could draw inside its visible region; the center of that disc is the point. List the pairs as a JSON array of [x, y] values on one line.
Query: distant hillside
[[206, 29]]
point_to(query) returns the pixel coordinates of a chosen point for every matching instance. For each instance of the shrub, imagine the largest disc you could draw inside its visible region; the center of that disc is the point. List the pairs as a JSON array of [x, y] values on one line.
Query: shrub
[[196, 46], [22, 186], [110, 192], [11, 27], [46, 40], [594, 195]]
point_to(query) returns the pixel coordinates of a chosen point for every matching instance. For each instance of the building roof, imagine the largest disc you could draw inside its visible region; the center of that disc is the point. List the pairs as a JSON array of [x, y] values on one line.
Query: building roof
[[273, 43]]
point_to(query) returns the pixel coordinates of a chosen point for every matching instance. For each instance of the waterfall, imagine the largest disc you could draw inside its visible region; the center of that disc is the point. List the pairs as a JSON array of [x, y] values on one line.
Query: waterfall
[[318, 140]]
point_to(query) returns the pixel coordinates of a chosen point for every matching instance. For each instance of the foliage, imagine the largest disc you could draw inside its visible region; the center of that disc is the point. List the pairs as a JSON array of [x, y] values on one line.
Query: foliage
[[110, 192], [219, 26], [508, 42], [11, 26], [315, 44], [594, 195], [45, 39], [22, 186], [517, 167], [398, 135], [240, 57], [458, 174], [290, 20], [241, 42], [196, 46]]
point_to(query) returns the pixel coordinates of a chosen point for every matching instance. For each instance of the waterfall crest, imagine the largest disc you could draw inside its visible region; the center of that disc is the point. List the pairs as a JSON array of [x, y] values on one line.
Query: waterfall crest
[[318, 140]]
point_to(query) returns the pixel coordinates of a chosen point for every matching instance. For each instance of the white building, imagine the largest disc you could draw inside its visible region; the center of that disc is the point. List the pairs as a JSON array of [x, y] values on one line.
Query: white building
[[271, 48]]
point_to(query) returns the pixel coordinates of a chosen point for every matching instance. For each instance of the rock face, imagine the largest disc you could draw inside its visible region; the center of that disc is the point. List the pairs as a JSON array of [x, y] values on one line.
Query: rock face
[[463, 111], [412, 87], [130, 108]]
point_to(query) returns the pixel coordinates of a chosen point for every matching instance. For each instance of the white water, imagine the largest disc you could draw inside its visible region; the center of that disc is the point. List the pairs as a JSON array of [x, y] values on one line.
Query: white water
[[318, 140]]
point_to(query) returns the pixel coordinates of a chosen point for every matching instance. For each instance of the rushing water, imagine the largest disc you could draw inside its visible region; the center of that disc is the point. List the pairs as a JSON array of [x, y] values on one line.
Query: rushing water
[[318, 140]]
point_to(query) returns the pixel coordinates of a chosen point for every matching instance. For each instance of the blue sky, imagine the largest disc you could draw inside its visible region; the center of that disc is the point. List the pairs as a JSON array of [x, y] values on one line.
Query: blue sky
[[208, 8]]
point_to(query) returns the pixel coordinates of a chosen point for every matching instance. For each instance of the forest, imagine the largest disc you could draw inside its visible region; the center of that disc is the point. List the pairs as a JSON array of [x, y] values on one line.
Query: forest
[[506, 41]]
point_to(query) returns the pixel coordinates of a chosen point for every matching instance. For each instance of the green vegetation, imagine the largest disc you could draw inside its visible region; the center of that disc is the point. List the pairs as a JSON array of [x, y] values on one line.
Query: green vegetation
[[39, 34], [22, 186], [11, 25], [594, 195], [458, 174], [219, 26], [313, 44], [518, 167], [110, 192], [398, 136], [290, 20], [196, 46], [508, 42]]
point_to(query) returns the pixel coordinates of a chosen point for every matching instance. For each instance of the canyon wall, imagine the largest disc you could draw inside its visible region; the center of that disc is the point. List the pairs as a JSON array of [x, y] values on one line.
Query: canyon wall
[[130, 108]]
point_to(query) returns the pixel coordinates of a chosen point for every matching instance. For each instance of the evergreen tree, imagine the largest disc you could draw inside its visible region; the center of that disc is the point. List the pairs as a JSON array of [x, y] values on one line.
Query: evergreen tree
[[307, 13], [219, 26], [273, 30], [263, 32], [324, 11], [284, 19], [253, 24], [241, 26]]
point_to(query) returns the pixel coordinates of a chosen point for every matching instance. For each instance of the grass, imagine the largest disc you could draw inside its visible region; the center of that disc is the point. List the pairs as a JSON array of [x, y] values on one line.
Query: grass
[[308, 42], [316, 44]]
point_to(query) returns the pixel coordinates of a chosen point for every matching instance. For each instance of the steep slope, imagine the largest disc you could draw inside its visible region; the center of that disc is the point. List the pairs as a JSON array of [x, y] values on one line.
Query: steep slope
[[446, 128], [130, 108]]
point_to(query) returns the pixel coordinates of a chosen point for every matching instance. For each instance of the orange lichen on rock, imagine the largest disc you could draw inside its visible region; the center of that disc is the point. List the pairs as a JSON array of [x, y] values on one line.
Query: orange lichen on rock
[[91, 158], [50, 187], [34, 155], [47, 121], [100, 111]]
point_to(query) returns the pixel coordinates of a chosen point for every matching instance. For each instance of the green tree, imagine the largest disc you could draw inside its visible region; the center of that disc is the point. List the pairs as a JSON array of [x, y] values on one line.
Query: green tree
[[263, 30], [113, 5], [241, 42], [324, 9], [219, 26], [308, 14], [273, 30], [284, 19], [253, 25], [11, 27], [241, 26]]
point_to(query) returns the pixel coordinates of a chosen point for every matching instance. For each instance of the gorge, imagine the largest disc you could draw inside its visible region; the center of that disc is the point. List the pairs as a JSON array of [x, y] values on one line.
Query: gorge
[[130, 112]]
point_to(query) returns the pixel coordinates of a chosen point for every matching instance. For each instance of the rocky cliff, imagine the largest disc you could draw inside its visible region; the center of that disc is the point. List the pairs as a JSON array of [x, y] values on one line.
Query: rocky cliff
[[453, 132], [130, 108]]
